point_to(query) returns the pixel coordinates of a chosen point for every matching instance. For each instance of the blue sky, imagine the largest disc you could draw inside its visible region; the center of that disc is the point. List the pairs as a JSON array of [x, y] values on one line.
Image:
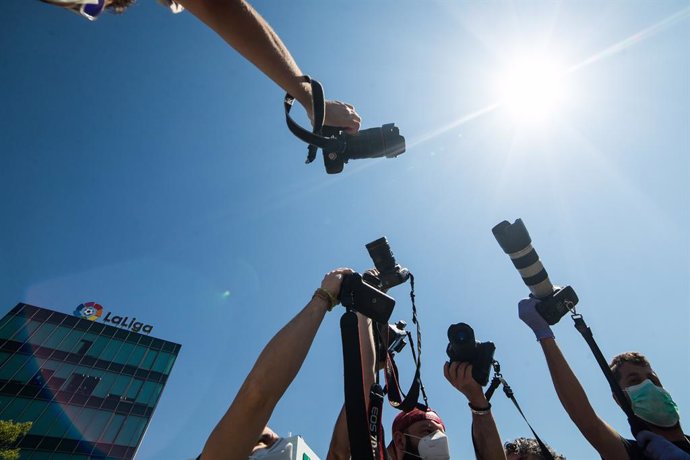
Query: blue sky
[[147, 167]]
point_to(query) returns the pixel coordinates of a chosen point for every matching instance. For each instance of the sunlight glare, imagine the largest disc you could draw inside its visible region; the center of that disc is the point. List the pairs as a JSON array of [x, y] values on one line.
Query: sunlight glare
[[532, 88]]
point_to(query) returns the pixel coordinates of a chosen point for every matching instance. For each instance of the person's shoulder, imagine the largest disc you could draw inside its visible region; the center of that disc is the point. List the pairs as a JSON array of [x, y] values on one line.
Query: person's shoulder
[[633, 449]]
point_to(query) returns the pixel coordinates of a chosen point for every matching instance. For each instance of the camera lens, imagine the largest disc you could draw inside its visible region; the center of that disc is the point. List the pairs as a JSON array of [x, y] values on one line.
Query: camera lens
[[380, 252], [516, 242]]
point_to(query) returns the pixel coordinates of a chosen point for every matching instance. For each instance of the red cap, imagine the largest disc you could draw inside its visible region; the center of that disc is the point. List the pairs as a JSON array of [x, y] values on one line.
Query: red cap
[[404, 419]]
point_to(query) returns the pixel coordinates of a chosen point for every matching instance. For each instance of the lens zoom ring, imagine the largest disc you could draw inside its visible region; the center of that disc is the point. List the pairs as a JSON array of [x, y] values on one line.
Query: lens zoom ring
[[536, 279], [526, 260]]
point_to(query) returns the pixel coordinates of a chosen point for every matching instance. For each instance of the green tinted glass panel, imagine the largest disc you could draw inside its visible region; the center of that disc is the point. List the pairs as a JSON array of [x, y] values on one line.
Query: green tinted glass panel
[[96, 425], [14, 328], [41, 333], [14, 409], [97, 347], [73, 415], [33, 411], [131, 430], [149, 359], [38, 455], [104, 386], [44, 421], [111, 431], [120, 385], [54, 339], [27, 371], [123, 353], [135, 357], [134, 387], [10, 368], [163, 362], [110, 350], [4, 402], [71, 342]]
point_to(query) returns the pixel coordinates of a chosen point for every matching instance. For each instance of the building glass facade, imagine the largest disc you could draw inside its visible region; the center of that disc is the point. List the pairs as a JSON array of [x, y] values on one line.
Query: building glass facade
[[90, 389]]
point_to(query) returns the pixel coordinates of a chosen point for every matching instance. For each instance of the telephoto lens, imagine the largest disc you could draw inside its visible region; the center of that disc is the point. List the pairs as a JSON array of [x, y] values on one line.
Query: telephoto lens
[[390, 273], [516, 242]]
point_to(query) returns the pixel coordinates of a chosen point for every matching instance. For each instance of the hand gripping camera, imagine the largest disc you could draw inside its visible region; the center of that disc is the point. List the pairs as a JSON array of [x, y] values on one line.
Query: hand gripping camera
[[462, 347], [363, 293], [516, 242], [339, 147]]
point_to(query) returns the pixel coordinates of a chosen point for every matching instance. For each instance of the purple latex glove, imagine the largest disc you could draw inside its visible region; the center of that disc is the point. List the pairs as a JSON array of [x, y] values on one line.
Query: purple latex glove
[[657, 447], [527, 310]]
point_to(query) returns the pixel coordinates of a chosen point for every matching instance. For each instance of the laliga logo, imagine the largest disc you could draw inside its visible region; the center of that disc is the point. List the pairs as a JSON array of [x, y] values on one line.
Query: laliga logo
[[89, 310], [92, 311]]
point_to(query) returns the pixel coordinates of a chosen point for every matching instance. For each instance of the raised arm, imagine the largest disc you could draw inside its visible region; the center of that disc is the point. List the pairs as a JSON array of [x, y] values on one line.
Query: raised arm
[[244, 29], [484, 431], [241, 426], [339, 448], [600, 435]]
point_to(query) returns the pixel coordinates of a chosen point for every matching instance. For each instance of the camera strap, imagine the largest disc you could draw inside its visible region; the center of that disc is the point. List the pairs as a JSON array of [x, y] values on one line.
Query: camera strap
[[499, 380], [316, 138], [364, 425], [636, 424], [396, 397]]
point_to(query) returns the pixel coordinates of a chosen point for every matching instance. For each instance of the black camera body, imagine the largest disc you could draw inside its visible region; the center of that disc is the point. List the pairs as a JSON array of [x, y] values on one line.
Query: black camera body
[[557, 305], [385, 141], [463, 347], [516, 242], [390, 273], [358, 295]]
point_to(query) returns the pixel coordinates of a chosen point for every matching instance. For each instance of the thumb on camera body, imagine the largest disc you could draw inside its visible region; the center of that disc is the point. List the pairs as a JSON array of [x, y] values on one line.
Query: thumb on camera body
[[527, 310]]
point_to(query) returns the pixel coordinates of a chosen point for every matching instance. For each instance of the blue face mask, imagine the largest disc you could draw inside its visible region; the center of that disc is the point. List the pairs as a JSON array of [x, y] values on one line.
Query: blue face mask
[[653, 404]]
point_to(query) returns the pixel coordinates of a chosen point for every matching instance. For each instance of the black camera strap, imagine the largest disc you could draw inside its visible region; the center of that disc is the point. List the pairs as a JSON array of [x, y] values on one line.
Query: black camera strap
[[499, 380], [364, 425], [396, 397], [636, 424], [315, 138]]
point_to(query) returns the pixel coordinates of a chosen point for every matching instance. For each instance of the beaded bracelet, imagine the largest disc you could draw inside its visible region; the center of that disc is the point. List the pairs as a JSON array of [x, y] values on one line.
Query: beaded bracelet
[[326, 296], [480, 410]]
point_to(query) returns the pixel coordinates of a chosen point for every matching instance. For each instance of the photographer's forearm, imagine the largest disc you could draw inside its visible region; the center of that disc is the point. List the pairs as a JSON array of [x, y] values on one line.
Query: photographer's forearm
[[274, 370], [246, 31], [485, 432], [367, 351], [575, 402]]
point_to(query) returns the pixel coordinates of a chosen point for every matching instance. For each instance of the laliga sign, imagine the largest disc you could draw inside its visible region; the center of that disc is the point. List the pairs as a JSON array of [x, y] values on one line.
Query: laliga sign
[[92, 311]]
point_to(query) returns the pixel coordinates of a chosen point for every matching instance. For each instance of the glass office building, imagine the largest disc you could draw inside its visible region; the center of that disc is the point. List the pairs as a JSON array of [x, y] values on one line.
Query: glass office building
[[90, 389]]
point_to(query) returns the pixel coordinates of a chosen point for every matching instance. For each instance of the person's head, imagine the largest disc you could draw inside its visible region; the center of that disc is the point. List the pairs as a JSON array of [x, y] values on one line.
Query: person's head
[[647, 396], [410, 427], [632, 368], [527, 449]]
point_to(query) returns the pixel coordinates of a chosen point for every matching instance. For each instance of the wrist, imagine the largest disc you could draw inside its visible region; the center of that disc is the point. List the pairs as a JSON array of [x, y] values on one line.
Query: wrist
[[478, 401], [543, 333], [480, 410], [325, 297]]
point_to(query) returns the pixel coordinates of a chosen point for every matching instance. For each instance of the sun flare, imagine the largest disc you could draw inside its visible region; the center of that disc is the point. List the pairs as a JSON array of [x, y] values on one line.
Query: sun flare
[[532, 88]]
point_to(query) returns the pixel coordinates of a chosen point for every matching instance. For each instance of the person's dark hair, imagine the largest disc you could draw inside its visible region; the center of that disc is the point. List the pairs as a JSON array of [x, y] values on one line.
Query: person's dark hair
[[631, 357], [119, 6], [527, 446]]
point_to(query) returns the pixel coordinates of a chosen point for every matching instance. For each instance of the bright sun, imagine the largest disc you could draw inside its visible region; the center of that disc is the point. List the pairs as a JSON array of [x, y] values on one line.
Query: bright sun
[[532, 88]]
